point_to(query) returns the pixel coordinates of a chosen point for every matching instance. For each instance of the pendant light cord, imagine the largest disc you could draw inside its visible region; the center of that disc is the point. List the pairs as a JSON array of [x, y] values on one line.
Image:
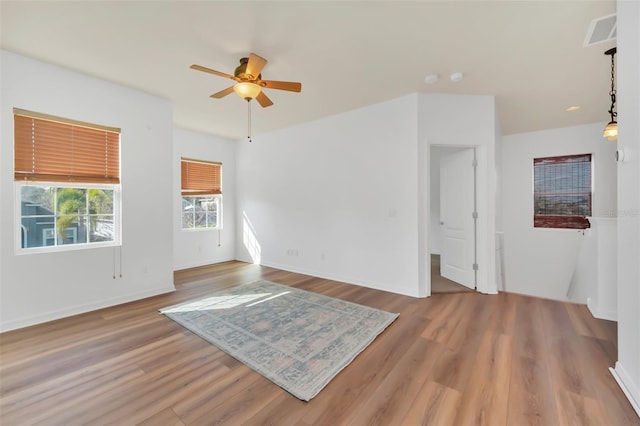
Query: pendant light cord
[[249, 119], [612, 93]]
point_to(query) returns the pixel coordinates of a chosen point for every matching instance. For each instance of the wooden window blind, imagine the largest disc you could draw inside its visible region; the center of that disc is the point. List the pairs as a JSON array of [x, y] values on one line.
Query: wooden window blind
[[562, 195], [200, 177], [55, 149]]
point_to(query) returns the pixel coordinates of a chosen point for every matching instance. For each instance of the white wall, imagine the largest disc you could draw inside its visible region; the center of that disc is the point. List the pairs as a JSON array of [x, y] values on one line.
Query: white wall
[[541, 261], [40, 287], [335, 198], [346, 197], [498, 178], [499, 250], [627, 369], [193, 248]]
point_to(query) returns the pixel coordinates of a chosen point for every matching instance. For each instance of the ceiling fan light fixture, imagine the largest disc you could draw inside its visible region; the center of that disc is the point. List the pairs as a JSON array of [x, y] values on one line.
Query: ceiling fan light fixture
[[247, 90], [611, 131]]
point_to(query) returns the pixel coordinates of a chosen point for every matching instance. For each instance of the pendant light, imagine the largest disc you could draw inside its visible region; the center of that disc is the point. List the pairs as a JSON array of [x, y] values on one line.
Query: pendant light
[[611, 131]]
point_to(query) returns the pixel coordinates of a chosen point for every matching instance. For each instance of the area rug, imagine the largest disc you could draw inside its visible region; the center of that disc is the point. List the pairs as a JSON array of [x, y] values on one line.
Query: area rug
[[297, 339]]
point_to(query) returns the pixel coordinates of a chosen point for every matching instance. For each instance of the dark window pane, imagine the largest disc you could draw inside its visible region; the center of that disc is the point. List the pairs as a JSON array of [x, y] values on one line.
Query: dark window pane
[[37, 231]]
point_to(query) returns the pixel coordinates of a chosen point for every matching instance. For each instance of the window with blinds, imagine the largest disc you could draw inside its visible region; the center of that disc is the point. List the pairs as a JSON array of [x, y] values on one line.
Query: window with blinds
[[201, 194], [54, 149], [200, 177], [562, 193], [67, 176]]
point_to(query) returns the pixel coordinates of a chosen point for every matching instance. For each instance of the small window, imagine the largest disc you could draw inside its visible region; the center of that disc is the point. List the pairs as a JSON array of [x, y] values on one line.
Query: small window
[[201, 194], [67, 177], [562, 195]]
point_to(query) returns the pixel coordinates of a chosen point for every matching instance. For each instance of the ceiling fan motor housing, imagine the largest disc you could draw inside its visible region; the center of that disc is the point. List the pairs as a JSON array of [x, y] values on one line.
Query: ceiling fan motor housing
[[241, 71]]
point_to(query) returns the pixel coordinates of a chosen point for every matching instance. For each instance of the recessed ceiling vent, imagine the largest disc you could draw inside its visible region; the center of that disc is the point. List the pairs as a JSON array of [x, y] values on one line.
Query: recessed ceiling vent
[[601, 30]]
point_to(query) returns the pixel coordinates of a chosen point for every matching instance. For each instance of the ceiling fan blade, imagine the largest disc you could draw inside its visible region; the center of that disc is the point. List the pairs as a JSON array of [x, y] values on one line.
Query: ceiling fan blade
[[255, 65], [210, 71], [222, 93], [282, 85], [263, 100]]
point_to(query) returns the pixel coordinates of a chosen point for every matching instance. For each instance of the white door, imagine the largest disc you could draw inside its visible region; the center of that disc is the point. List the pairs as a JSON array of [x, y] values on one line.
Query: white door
[[457, 189]]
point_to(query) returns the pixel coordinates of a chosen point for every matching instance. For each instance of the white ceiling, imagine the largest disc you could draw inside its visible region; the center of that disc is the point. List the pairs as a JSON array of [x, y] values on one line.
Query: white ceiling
[[347, 54]]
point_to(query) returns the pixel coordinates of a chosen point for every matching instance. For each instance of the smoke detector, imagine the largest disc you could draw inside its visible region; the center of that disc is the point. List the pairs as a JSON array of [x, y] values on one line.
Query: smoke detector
[[431, 78], [457, 77]]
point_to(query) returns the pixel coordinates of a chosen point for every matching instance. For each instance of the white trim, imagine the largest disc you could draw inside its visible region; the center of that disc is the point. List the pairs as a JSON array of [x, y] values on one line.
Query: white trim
[[597, 313], [205, 262], [18, 227], [219, 207], [485, 237], [81, 309], [332, 277], [627, 385]]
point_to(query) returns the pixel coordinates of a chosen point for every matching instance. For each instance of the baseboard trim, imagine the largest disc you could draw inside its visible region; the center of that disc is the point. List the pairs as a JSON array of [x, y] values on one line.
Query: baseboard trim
[[348, 280], [597, 313], [592, 307], [81, 309], [625, 383], [201, 263]]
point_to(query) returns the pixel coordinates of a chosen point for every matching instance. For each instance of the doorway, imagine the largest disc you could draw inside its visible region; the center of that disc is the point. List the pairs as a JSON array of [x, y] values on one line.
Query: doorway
[[453, 213], [440, 284]]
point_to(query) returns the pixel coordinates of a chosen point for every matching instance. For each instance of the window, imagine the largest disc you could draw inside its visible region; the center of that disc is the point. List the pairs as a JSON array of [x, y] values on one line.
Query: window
[[201, 194], [67, 176], [562, 193]]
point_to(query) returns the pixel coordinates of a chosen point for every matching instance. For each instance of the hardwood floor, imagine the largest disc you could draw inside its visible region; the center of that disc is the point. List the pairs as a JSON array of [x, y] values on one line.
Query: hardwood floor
[[451, 359], [440, 284]]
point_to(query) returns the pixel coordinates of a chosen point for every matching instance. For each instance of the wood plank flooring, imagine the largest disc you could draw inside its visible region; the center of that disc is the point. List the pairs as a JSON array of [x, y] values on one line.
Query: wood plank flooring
[[451, 359], [440, 284]]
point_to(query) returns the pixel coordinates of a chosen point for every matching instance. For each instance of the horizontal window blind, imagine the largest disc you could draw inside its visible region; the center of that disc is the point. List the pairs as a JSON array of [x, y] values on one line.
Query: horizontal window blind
[[55, 149], [200, 177], [562, 191]]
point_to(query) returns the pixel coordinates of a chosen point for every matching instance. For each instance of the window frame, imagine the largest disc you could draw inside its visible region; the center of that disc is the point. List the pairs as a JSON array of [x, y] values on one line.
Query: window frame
[[218, 198], [563, 221], [117, 218], [195, 186], [57, 152]]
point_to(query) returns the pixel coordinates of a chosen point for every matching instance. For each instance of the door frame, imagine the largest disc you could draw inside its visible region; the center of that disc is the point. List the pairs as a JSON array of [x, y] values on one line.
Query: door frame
[[485, 204]]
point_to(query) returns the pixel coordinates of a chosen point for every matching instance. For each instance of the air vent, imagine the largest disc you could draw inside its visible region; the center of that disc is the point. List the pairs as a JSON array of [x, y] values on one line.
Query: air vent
[[601, 30]]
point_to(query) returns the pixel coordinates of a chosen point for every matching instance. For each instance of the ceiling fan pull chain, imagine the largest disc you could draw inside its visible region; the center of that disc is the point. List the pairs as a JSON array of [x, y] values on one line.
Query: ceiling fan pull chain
[[249, 119]]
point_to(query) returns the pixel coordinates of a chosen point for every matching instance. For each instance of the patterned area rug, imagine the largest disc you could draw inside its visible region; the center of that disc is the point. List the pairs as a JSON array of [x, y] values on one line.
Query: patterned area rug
[[297, 339]]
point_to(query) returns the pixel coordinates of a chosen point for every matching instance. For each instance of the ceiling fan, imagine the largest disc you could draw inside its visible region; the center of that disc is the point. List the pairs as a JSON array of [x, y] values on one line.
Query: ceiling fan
[[249, 81]]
